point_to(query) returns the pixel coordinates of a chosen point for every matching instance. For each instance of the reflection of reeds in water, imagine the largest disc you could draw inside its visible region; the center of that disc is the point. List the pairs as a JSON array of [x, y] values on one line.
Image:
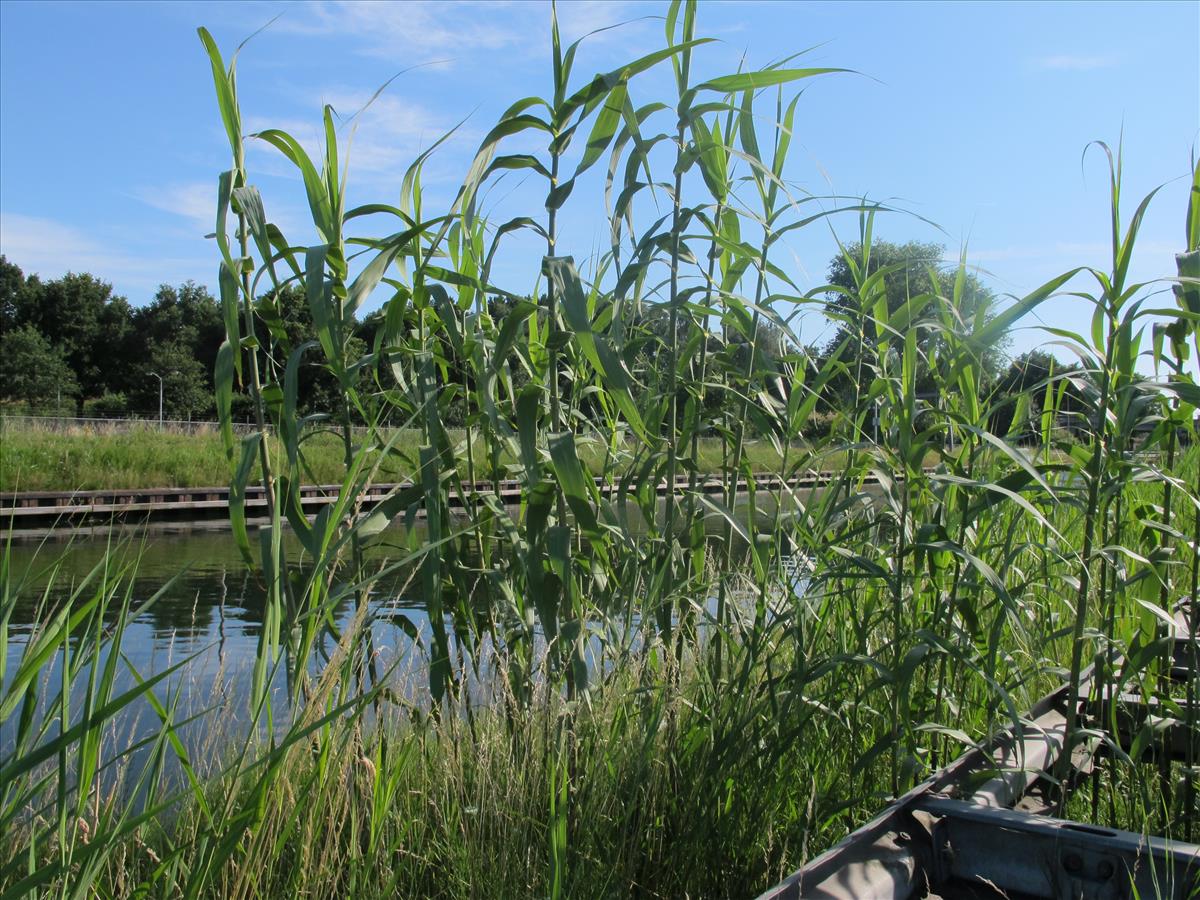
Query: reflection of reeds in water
[[655, 713]]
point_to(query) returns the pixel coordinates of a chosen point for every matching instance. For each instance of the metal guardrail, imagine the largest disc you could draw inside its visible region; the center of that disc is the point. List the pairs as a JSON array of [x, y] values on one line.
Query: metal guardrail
[[116, 425]]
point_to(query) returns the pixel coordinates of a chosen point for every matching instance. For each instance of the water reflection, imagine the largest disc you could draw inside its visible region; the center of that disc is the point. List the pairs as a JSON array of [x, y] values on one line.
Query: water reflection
[[209, 609]]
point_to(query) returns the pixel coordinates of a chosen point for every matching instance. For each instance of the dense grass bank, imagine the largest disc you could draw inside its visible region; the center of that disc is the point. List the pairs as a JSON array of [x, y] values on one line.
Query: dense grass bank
[[37, 459]]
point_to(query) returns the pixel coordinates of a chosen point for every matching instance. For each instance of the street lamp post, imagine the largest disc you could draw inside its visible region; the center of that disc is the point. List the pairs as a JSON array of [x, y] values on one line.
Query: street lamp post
[[160, 399]]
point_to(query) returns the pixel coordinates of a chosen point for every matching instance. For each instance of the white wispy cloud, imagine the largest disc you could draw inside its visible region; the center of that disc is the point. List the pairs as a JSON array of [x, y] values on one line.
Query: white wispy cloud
[[440, 31], [195, 206], [422, 30], [390, 133], [1073, 62], [50, 249], [587, 16], [379, 145], [195, 202]]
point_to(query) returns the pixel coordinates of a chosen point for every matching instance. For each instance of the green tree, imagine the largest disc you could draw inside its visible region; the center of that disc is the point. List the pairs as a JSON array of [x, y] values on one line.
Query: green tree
[[80, 315], [1074, 389], [912, 269], [32, 370], [15, 293], [188, 315], [187, 386], [1027, 376], [648, 331], [176, 335], [287, 320]]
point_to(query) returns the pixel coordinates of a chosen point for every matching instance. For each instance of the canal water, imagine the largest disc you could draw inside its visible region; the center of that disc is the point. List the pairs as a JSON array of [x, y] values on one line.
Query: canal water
[[208, 602], [207, 610]]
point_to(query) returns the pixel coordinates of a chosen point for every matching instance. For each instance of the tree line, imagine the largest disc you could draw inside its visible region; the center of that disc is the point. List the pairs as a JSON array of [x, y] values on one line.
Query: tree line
[[72, 346]]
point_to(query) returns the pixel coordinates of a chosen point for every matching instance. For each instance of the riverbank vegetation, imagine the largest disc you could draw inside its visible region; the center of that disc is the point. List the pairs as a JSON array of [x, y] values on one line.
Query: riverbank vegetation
[[621, 695], [52, 367], [115, 455]]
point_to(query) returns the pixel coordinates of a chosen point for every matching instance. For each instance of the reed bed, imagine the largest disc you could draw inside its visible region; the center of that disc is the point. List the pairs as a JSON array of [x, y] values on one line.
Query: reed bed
[[687, 698]]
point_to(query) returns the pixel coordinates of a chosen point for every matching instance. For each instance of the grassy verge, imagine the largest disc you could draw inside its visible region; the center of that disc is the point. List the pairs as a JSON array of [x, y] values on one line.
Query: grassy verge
[[36, 459], [43, 460]]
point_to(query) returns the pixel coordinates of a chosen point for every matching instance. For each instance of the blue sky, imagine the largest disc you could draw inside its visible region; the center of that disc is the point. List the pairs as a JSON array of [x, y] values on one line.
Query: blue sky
[[974, 116]]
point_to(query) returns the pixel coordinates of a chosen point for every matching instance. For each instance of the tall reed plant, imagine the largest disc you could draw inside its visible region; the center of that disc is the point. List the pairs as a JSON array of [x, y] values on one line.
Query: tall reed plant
[[688, 651]]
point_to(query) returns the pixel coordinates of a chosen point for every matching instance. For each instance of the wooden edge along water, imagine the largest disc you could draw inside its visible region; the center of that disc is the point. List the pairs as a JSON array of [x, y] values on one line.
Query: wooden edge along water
[[35, 512], [979, 828]]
